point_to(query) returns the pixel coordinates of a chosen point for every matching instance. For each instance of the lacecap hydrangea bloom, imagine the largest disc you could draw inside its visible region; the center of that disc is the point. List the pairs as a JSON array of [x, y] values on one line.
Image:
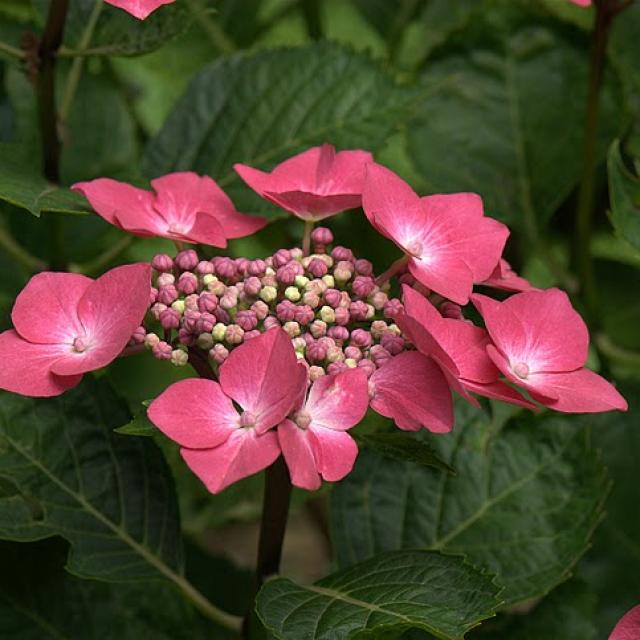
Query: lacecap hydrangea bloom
[[293, 348], [141, 9]]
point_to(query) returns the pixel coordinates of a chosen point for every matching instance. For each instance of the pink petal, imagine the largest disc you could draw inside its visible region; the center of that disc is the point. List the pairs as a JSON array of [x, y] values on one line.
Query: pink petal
[[311, 206], [581, 391], [504, 277], [244, 453], [110, 310], [346, 172], [194, 413], [124, 206], [445, 274], [263, 377], [412, 390], [499, 391], [141, 9], [45, 311], [206, 230], [298, 454], [26, 368], [628, 627], [335, 452], [338, 401], [539, 328]]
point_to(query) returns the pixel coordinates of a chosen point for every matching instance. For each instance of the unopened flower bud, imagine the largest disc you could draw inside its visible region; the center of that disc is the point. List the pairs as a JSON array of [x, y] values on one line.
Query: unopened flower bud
[[361, 338], [316, 372], [219, 353], [343, 271], [332, 297], [286, 311], [166, 295], [269, 281], [248, 335], [342, 316], [339, 334], [205, 341], [296, 253], [292, 293], [165, 279], [207, 302], [219, 331], [153, 295], [379, 299], [451, 310], [286, 274], [327, 314], [157, 309], [228, 301], [318, 328], [281, 257], [270, 322], [316, 352], [187, 283], [292, 329], [362, 286], [367, 366], [256, 267], [322, 236], [222, 315], [151, 340], [247, 319], [225, 268], [204, 267], [353, 353], [241, 265], [336, 367], [317, 268], [364, 267], [329, 280], [378, 327], [358, 310], [269, 294], [335, 354], [234, 334], [187, 260], [342, 253], [304, 314], [138, 336], [311, 299], [185, 337], [205, 323], [379, 355], [170, 319], [392, 308], [252, 286], [162, 262], [261, 309], [392, 343], [179, 357], [162, 350]]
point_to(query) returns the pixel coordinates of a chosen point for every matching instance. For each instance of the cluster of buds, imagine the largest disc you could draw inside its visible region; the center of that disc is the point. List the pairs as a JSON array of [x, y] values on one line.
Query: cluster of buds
[[327, 302]]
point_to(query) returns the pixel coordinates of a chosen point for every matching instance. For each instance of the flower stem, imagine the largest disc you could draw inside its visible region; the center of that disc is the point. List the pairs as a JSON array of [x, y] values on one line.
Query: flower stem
[[275, 510], [12, 52], [12, 248], [306, 238], [605, 11], [395, 268], [218, 38], [102, 260], [199, 361]]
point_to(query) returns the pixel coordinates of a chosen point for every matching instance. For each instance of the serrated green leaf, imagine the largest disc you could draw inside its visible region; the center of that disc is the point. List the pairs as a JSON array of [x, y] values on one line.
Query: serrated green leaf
[[403, 447], [510, 123], [523, 504], [387, 594], [111, 497], [624, 190], [264, 108], [22, 186]]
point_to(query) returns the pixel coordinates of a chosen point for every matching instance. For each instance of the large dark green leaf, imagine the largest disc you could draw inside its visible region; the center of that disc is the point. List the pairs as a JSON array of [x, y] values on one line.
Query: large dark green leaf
[[384, 595], [261, 109], [110, 496], [624, 190], [509, 126], [523, 502]]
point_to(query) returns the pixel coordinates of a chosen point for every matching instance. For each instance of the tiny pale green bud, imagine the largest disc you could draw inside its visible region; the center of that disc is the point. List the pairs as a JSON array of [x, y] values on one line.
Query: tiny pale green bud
[[394, 328], [208, 279], [151, 340], [268, 294], [292, 328], [327, 314], [269, 271], [301, 281], [179, 358], [351, 363], [178, 306], [371, 312], [329, 280], [219, 331], [292, 293], [205, 341]]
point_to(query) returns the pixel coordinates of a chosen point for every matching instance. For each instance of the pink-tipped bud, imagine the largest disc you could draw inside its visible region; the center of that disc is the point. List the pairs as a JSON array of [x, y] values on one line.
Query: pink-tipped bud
[[247, 319], [241, 265], [336, 367], [339, 334], [157, 309], [248, 335], [335, 354], [166, 295], [205, 341], [296, 253], [170, 319], [311, 298], [286, 311], [343, 271], [271, 323], [367, 366], [316, 352], [225, 268], [379, 355], [165, 279], [153, 296], [317, 268], [229, 300], [187, 260], [353, 353], [299, 343], [292, 329], [205, 323], [393, 343], [379, 299], [316, 372], [378, 327], [269, 281], [256, 267], [304, 314], [332, 297], [358, 310], [451, 310], [364, 267], [151, 340], [261, 309], [207, 302], [162, 262], [204, 267], [219, 353], [342, 316], [252, 286], [281, 257], [162, 350], [342, 253], [186, 338], [318, 328], [222, 315], [138, 336], [234, 334], [392, 308], [362, 286], [322, 236], [187, 283], [361, 338]]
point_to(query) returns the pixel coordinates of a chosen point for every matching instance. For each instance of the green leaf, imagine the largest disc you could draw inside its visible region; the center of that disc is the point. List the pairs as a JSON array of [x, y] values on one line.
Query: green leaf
[[509, 124], [403, 447], [624, 189], [624, 50], [39, 600], [139, 426], [389, 593], [23, 186], [565, 614], [523, 504], [111, 497], [264, 108]]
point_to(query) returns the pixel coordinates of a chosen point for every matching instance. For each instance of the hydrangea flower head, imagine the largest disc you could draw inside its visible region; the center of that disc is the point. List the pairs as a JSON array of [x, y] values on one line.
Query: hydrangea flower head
[[313, 185], [540, 343], [141, 9], [184, 207], [66, 324]]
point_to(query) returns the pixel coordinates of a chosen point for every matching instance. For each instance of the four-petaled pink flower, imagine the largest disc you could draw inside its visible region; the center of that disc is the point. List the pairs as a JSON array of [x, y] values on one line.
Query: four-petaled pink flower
[[449, 242], [220, 443], [628, 627], [541, 344], [141, 9], [313, 185], [313, 439], [185, 207], [458, 346], [504, 277], [67, 324]]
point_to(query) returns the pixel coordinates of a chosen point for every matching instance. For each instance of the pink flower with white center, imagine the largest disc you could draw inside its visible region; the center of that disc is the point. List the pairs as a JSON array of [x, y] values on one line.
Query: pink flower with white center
[[541, 344], [448, 241], [185, 207], [141, 9], [66, 324], [628, 627], [411, 389], [313, 439], [220, 443], [458, 347], [313, 185], [504, 277]]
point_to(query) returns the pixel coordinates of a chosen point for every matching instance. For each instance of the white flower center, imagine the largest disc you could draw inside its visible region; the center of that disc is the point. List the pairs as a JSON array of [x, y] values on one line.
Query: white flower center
[[415, 248], [521, 369], [247, 420], [80, 344], [302, 419]]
